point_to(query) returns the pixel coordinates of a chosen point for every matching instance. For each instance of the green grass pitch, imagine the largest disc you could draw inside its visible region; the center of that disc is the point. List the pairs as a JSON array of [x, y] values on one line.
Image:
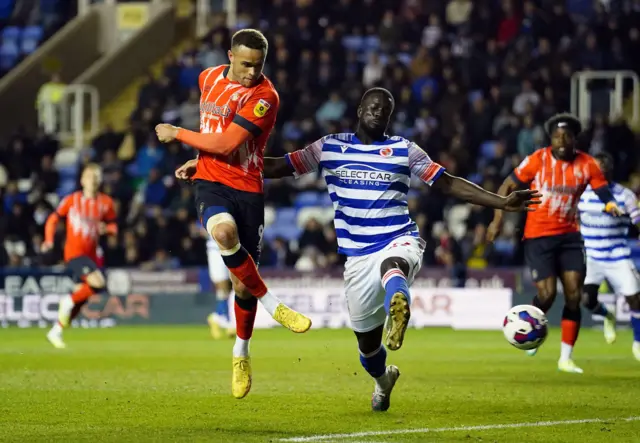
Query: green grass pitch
[[172, 384]]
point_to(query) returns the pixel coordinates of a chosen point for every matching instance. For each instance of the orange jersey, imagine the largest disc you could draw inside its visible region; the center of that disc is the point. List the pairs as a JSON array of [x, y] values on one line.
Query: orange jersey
[[222, 102], [561, 184], [84, 216]]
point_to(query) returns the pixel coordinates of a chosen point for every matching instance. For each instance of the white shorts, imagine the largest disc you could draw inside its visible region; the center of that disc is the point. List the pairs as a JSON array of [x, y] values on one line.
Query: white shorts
[[622, 275], [363, 282], [218, 271]]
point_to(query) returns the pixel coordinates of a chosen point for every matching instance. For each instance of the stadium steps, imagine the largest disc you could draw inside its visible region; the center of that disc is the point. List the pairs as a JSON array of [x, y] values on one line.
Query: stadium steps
[[118, 111]]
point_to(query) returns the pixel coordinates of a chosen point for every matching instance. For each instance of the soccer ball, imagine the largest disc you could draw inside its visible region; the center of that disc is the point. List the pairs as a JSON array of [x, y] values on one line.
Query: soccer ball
[[525, 327]]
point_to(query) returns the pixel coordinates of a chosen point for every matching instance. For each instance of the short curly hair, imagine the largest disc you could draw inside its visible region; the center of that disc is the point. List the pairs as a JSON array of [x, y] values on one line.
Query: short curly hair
[[564, 119], [251, 38]]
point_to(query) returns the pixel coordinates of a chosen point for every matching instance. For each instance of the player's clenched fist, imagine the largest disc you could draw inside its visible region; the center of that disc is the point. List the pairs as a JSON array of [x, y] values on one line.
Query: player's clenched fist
[[166, 133], [186, 171]]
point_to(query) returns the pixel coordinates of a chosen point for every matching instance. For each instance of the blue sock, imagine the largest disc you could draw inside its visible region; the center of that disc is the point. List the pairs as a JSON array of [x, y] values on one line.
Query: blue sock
[[601, 309], [394, 281], [376, 362], [635, 324], [222, 308]]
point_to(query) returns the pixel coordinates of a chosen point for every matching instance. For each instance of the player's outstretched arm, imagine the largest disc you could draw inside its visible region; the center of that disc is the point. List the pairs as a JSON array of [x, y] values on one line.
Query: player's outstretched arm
[[465, 190], [277, 167], [217, 143]]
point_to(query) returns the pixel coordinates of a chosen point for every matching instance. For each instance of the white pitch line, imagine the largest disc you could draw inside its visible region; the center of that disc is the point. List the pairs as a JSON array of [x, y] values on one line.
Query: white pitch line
[[537, 424]]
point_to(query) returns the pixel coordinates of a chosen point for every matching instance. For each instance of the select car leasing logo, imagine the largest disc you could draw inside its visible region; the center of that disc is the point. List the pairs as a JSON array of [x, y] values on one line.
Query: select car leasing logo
[[356, 173]]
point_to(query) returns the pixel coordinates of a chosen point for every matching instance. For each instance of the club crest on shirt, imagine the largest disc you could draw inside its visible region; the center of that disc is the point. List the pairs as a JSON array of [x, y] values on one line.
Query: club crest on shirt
[[386, 152], [235, 96], [261, 108]]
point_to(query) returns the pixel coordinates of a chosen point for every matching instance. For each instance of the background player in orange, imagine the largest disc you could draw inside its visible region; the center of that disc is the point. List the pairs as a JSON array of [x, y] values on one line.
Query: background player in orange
[[553, 245], [89, 214], [238, 108]]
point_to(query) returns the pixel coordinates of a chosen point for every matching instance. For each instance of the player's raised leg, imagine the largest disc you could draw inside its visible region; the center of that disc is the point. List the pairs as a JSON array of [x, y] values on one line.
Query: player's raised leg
[[373, 358], [70, 305], [224, 231], [571, 318], [590, 301], [397, 300]]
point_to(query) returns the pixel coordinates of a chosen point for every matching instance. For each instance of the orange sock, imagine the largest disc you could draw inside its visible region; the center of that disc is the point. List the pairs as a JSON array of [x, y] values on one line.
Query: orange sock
[[570, 331], [82, 294], [242, 266]]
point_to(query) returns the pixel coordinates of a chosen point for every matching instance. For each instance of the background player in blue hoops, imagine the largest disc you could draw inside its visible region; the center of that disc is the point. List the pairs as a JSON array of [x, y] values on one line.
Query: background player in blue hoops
[[367, 175], [608, 253]]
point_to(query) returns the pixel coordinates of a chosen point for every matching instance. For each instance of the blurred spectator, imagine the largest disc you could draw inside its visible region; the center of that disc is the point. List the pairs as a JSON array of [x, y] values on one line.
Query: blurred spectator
[[48, 102]]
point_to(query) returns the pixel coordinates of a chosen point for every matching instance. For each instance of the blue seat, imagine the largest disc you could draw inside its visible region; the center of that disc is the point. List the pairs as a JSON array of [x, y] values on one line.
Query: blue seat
[[9, 55], [474, 95], [31, 38], [488, 149], [372, 43], [287, 232], [305, 199], [325, 200], [286, 216], [68, 171], [504, 247], [476, 178], [11, 34], [353, 43], [66, 187]]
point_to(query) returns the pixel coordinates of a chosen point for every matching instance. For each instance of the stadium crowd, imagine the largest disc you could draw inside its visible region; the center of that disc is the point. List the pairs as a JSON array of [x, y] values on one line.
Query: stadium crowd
[[473, 81]]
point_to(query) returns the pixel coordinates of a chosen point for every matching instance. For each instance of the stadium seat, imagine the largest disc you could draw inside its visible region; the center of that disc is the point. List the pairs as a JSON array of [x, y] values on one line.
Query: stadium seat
[[488, 149], [353, 43], [305, 199], [504, 247], [68, 171], [372, 43], [320, 213], [66, 187], [31, 37], [325, 200], [11, 34], [474, 95], [476, 178], [9, 55], [286, 217], [288, 233]]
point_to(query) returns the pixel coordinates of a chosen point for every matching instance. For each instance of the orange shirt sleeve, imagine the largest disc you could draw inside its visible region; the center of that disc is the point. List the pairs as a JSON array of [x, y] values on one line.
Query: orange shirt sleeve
[[258, 115], [528, 168], [596, 177], [52, 221]]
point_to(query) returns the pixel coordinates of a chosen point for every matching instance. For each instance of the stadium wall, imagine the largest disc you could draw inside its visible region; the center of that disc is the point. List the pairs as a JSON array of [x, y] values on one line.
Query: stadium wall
[[30, 298]]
